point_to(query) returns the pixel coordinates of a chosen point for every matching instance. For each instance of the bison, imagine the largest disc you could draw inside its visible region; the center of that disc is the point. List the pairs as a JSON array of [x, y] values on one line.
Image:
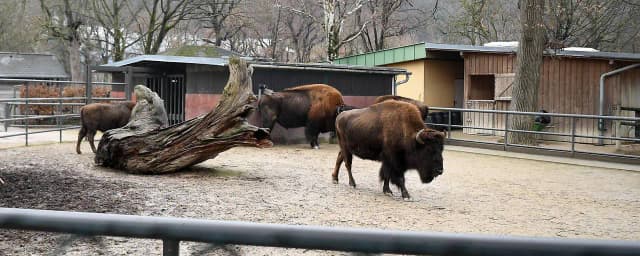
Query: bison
[[311, 106], [424, 109], [393, 133], [102, 117]]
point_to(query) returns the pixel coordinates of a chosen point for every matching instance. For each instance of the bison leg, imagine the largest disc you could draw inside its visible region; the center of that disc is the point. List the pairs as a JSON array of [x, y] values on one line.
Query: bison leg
[[385, 175], [81, 134], [348, 157], [398, 180], [311, 133], [90, 135], [336, 170]]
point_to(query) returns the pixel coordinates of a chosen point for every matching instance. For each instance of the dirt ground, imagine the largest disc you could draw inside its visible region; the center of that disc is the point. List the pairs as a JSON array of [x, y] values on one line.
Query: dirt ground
[[477, 194]]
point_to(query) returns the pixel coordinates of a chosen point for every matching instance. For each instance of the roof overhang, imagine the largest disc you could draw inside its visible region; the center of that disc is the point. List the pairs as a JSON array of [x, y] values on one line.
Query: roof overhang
[[169, 59], [256, 64], [548, 52]]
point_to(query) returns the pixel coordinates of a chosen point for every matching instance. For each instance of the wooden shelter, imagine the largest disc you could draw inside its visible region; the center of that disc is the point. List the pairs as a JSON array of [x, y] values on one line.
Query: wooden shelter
[[480, 77]]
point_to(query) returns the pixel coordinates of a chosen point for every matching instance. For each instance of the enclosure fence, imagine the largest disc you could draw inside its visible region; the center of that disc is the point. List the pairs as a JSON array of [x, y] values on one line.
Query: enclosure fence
[[565, 147], [26, 103], [173, 230]]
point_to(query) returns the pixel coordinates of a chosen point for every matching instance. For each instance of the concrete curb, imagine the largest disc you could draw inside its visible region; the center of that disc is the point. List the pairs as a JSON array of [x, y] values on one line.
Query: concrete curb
[[544, 158]]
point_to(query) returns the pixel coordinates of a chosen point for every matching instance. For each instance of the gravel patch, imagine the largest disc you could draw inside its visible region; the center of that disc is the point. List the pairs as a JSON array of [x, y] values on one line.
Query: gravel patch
[[477, 194]]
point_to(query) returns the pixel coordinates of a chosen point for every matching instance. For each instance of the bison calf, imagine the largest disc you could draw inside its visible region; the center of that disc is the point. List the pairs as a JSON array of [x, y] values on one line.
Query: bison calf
[[102, 117], [393, 133]]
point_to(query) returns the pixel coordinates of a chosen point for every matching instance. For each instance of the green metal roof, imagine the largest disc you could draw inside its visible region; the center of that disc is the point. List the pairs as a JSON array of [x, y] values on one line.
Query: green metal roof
[[387, 56], [419, 51]]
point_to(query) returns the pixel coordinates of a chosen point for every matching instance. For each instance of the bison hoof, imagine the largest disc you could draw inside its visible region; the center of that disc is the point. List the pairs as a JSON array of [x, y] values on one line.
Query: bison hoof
[[335, 181], [389, 193], [316, 147], [407, 199], [353, 184]]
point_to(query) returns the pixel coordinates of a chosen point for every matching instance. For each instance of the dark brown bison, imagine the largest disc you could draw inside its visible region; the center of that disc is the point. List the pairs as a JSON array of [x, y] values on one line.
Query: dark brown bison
[[311, 106], [424, 109], [102, 117], [393, 133]]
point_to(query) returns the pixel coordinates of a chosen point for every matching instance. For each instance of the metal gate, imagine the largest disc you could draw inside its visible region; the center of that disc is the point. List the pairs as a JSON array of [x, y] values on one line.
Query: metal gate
[[172, 90]]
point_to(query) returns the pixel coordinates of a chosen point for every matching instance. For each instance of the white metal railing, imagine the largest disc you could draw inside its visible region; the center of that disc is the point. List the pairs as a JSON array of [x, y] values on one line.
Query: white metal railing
[[572, 135]]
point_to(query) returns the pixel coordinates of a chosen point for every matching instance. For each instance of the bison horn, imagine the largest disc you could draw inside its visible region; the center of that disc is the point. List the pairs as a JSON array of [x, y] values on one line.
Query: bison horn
[[418, 139]]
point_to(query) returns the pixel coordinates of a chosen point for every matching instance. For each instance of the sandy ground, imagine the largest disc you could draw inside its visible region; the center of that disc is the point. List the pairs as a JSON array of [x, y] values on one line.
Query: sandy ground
[[477, 194]]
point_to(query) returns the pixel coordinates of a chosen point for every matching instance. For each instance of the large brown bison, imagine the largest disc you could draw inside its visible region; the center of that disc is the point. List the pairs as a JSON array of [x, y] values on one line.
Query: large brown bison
[[102, 117], [311, 106], [393, 133], [424, 109]]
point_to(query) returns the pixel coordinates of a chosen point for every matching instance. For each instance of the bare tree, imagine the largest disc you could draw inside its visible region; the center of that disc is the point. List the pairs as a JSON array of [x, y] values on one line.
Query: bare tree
[[592, 23], [529, 62], [481, 21], [220, 16], [63, 20], [18, 30], [389, 18], [334, 16], [161, 16], [114, 19], [303, 31]]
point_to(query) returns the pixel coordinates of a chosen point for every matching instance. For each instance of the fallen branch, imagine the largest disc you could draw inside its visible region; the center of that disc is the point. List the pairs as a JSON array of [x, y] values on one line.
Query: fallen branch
[[144, 145]]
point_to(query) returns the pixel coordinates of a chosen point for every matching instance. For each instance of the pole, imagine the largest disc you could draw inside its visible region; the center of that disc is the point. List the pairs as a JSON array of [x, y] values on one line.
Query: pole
[[170, 247], [128, 77], [89, 87], [573, 136], [26, 122], [506, 131]]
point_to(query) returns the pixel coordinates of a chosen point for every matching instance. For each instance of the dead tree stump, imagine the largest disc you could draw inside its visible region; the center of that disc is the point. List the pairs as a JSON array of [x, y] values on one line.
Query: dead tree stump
[[146, 146]]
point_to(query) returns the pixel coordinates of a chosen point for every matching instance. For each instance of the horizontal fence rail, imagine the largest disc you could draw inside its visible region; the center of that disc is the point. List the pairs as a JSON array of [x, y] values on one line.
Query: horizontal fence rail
[[536, 113], [506, 145], [172, 230]]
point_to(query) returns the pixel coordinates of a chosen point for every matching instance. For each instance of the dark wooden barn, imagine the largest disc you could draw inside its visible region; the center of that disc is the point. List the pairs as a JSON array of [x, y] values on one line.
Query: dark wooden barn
[[192, 86]]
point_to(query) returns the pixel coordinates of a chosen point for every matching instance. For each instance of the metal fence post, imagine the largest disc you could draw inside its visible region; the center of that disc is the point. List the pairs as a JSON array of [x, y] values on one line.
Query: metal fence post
[[7, 114], [573, 136], [170, 247], [128, 77], [58, 119], [506, 131], [449, 127], [26, 121], [89, 86]]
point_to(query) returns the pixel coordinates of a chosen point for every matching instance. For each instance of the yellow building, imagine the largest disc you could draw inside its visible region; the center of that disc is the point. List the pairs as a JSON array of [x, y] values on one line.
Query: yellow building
[[436, 79]]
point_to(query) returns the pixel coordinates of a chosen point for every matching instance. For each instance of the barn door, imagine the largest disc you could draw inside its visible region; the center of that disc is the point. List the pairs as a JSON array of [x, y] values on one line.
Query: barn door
[[172, 90]]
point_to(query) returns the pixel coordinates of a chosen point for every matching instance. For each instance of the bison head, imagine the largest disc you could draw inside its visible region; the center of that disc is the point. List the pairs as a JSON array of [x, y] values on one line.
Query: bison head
[[429, 147]]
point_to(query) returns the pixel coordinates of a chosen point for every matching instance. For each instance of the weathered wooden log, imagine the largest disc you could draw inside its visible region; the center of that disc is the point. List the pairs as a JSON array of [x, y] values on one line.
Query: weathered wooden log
[[146, 146]]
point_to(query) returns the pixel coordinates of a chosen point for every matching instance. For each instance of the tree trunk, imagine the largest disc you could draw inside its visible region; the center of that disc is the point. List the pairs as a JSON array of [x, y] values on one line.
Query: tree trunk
[[529, 62], [74, 60], [145, 146]]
